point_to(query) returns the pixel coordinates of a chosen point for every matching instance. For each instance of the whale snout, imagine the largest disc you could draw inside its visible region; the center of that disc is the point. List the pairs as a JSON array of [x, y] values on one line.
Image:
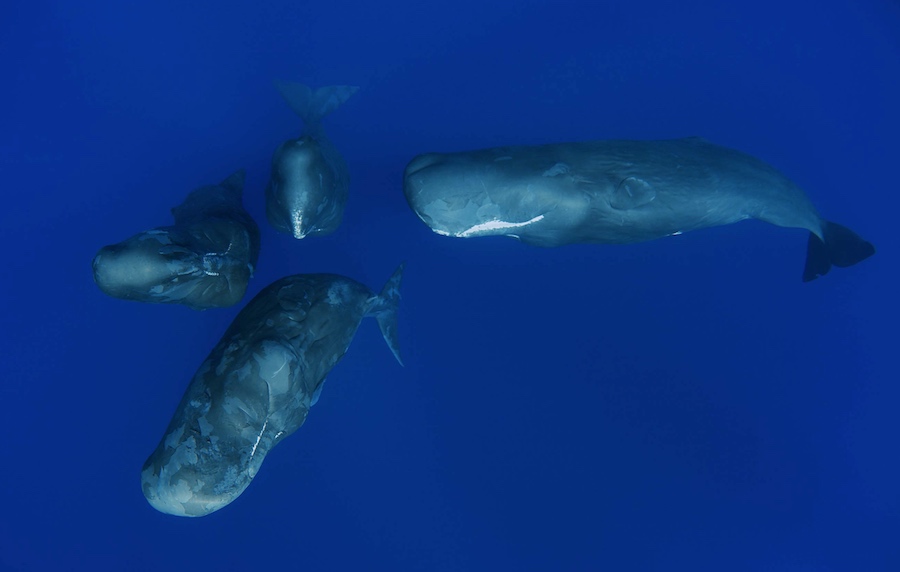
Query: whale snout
[[179, 498], [420, 163], [419, 181], [117, 271], [133, 267]]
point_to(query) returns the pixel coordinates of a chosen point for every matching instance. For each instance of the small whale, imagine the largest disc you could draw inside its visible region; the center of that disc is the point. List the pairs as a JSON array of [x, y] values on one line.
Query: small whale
[[615, 192], [257, 385], [205, 260], [307, 190]]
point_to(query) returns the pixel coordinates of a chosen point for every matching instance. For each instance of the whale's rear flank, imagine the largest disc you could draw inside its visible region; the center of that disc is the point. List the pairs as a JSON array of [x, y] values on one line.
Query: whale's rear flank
[[842, 247]]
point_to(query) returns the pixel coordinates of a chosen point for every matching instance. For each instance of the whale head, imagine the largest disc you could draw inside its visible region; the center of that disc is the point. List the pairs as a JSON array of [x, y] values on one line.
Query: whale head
[[133, 267], [302, 190], [202, 267], [483, 193]]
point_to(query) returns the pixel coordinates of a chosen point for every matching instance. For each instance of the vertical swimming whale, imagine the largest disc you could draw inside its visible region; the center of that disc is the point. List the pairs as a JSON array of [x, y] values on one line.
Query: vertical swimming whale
[[257, 385], [307, 189], [616, 192], [205, 260]]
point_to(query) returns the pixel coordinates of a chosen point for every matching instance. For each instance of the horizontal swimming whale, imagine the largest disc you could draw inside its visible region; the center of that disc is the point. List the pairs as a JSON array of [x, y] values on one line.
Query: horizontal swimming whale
[[205, 260], [616, 192], [257, 385], [307, 189]]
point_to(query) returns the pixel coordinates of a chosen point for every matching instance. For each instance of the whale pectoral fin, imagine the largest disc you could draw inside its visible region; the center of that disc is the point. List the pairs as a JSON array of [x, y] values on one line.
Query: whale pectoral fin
[[632, 193]]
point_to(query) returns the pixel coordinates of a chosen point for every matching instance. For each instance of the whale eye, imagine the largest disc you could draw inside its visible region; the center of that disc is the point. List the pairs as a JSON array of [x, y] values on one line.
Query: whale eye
[[632, 193]]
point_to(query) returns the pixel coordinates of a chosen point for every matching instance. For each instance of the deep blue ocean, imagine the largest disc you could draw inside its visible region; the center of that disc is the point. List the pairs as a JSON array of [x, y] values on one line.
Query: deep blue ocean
[[681, 404]]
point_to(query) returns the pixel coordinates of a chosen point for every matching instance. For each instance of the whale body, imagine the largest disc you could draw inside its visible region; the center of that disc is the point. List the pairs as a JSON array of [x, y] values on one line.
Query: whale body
[[257, 385], [205, 260], [307, 190], [616, 192]]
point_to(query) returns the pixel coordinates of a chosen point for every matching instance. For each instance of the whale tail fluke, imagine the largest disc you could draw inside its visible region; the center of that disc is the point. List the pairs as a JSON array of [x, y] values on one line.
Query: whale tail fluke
[[841, 247], [311, 105], [384, 308]]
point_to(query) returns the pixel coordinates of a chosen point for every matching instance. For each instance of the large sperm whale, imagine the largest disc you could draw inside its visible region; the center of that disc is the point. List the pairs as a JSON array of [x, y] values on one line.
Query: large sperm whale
[[616, 192], [307, 189], [205, 260], [257, 385]]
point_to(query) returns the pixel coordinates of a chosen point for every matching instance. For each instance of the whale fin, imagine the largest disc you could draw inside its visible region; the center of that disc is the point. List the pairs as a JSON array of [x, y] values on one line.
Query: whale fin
[[384, 309], [318, 392], [234, 183], [841, 247], [311, 105], [197, 205]]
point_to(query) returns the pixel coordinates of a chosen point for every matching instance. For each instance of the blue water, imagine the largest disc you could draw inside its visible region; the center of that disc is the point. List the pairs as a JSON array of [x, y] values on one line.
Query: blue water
[[682, 404]]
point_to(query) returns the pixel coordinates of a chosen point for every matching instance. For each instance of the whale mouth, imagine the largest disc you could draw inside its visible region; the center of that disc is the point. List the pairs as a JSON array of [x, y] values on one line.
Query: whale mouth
[[495, 226], [180, 499]]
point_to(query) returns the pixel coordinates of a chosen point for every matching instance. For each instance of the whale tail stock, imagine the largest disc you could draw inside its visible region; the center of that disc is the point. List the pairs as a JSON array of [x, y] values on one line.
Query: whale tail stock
[[311, 105], [841, 247], [384, 308]]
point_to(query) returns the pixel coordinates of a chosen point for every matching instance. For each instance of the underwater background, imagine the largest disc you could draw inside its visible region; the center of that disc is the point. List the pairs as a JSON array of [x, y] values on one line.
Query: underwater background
[[686, 403]]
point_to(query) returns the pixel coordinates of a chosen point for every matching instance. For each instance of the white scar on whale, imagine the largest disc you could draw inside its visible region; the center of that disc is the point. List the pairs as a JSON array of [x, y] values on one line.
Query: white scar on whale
[[490, 226]]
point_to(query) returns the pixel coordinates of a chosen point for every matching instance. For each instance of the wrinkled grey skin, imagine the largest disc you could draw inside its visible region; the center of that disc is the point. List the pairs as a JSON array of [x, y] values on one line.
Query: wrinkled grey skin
[[600, 191], [308, 186], [205, 260], [257, 385]]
